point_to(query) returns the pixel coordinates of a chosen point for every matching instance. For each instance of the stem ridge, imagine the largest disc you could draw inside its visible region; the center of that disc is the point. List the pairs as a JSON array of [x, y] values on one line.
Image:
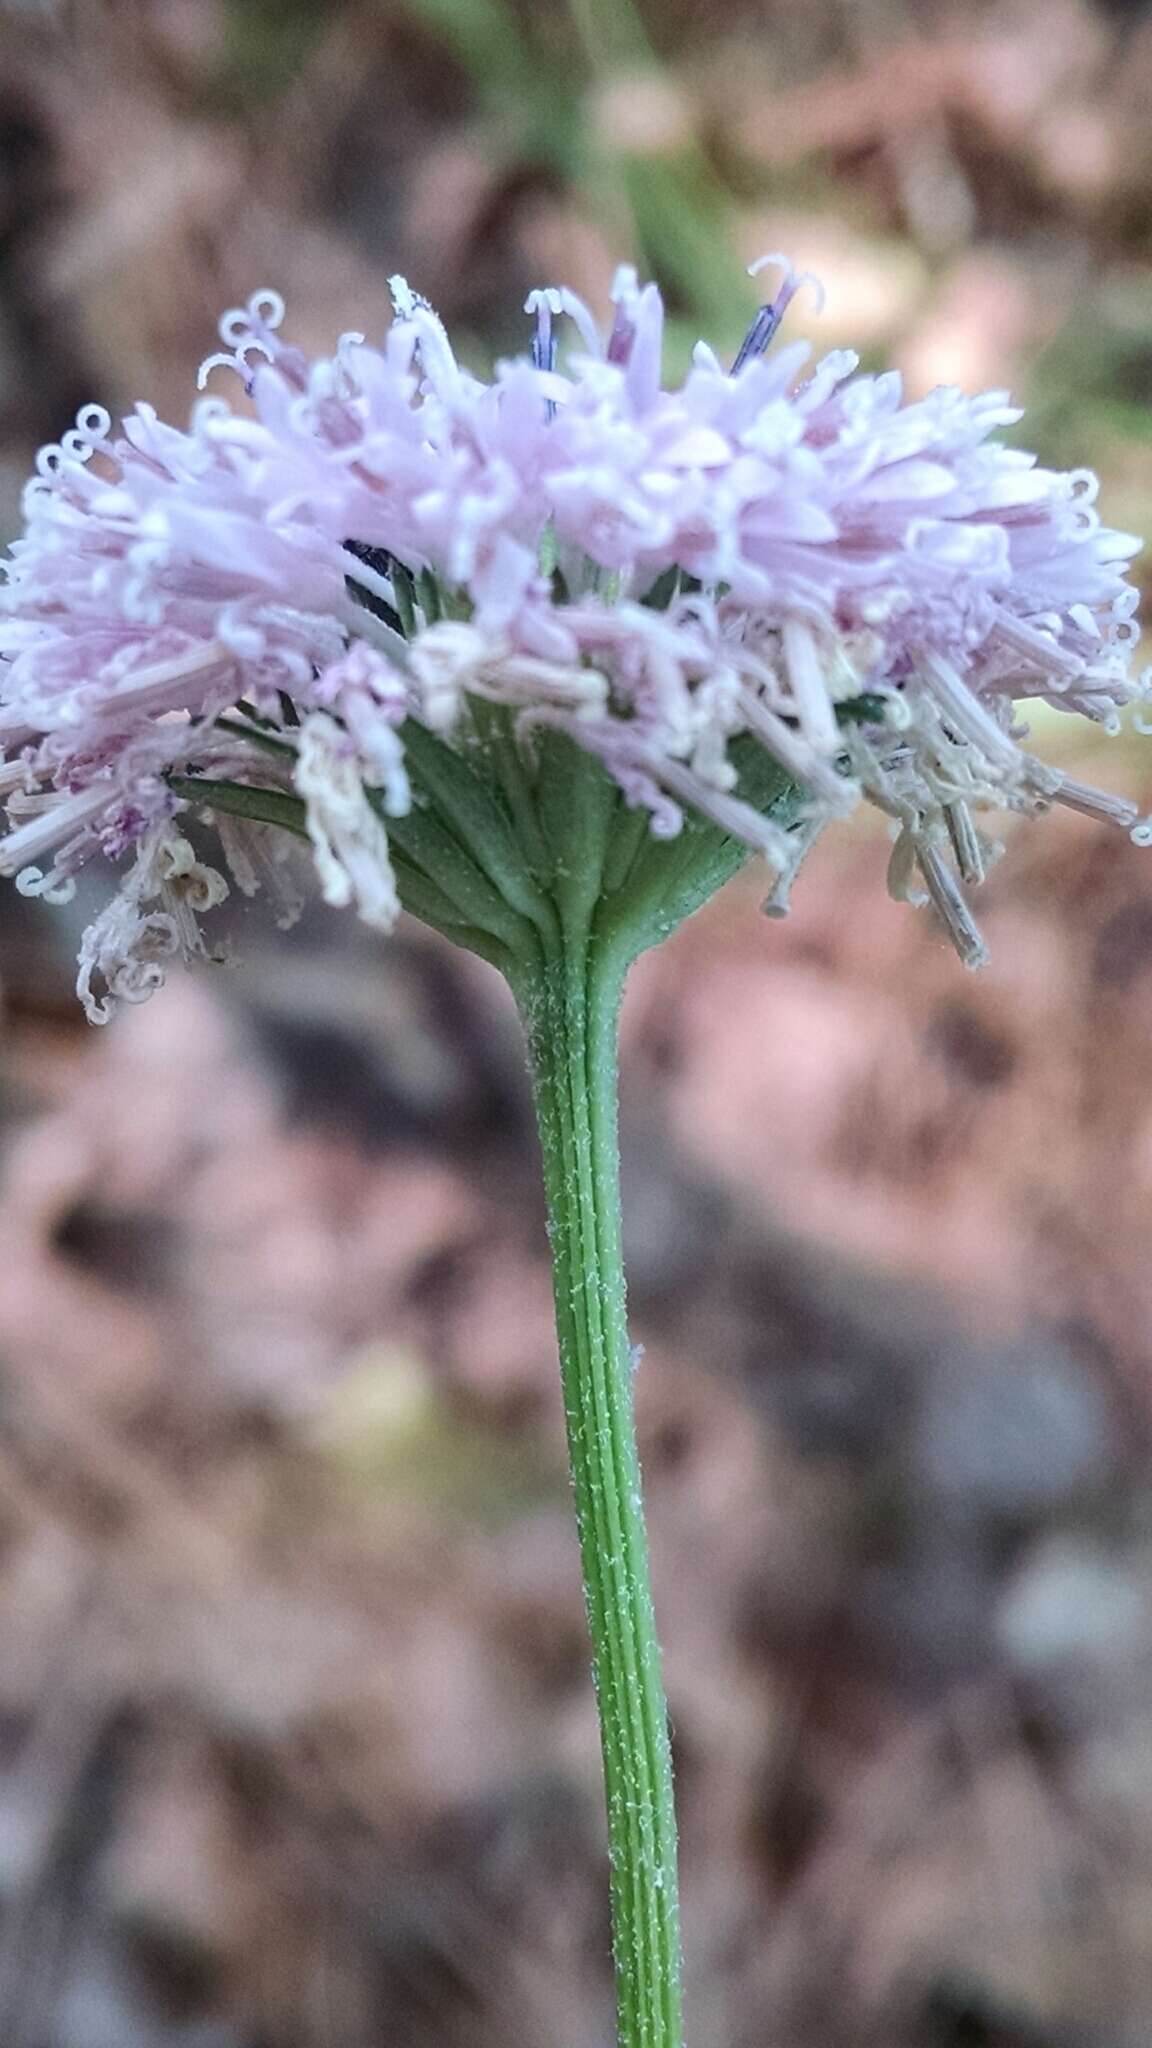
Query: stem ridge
[[570, 1006]]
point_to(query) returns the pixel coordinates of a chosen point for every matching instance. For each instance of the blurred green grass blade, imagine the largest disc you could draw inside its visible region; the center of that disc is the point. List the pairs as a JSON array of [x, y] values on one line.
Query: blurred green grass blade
[[613, 34], [683, 231]]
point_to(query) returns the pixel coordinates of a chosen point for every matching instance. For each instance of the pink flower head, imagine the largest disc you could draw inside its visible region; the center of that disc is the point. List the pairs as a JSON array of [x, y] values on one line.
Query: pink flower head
[[787, 556]]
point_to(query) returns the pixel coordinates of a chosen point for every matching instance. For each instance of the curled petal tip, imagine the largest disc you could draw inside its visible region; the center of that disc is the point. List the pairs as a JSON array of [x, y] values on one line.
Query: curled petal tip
[[791, 279], [263, 312], [774, 256]]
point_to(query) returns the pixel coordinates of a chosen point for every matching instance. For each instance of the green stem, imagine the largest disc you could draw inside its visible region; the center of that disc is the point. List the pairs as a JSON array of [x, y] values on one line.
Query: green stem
[[570, 1004], [542, 871]]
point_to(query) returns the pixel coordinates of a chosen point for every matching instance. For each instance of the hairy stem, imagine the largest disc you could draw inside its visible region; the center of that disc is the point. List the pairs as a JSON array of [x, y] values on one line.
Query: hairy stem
[[570, 1004]]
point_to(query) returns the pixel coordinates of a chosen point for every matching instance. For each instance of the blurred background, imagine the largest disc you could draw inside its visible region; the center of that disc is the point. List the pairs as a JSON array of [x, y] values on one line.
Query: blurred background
[[297, 1748]]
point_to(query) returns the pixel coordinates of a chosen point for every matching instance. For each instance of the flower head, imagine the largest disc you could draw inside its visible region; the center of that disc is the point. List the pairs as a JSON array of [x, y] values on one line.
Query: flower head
[[775, 557]]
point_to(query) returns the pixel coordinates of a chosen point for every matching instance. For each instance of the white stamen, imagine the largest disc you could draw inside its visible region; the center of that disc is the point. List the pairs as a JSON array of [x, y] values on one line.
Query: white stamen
[[729, 812], [778, 902], [810, 697], [965, 843], [1096, 803], [127, 946], [359, 571], [260, 857], [349, 842], [1049, 657], [794, 753], [146, 688], [60, 819], [951, 907], [967, 714]]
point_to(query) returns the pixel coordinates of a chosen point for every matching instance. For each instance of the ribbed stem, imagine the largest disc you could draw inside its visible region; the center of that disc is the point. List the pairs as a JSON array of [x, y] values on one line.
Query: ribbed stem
[[570, 1004]]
